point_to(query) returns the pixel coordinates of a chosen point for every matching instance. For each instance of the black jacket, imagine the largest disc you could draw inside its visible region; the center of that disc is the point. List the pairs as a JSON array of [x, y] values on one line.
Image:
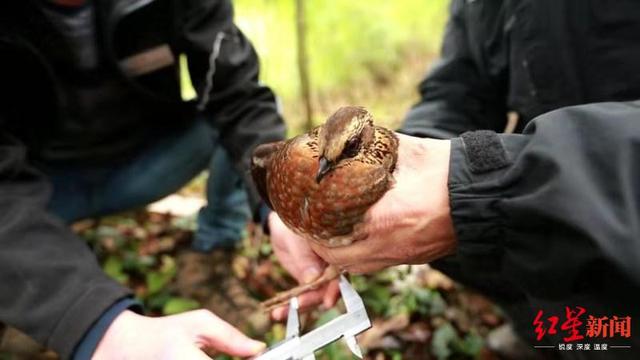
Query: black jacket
[[50, 284], [550, 217]]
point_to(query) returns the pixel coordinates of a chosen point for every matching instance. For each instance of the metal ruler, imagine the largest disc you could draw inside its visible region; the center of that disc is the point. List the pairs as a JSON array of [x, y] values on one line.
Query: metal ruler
[[345, 326]]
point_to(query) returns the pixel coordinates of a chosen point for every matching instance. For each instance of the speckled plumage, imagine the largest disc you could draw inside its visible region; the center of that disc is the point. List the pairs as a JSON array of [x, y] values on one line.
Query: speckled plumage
[[327, 210]]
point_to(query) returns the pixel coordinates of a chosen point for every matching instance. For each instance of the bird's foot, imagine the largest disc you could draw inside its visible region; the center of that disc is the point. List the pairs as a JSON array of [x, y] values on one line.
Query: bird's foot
[[282, 299]]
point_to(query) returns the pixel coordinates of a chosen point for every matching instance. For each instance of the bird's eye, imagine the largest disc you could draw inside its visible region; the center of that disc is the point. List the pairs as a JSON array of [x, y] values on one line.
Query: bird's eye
[[351, 147]]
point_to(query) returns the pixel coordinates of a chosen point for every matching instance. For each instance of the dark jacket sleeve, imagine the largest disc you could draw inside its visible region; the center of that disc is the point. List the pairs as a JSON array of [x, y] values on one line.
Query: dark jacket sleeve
[[460, 93], [51, 286], [225, 69], [554, 211]]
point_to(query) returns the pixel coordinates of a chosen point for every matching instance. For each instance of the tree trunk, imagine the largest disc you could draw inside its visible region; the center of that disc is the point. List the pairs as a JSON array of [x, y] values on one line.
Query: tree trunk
[[303, 62]]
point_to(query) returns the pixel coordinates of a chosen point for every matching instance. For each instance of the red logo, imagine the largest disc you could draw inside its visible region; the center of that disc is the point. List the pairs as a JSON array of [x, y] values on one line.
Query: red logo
[[575, 327]]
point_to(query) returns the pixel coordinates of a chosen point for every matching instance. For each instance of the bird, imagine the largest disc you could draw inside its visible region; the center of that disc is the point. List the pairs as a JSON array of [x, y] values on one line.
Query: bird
[[322, 182]]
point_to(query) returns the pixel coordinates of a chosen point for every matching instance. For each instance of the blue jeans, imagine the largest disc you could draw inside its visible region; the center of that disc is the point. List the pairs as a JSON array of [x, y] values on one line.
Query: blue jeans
[[157, 171]]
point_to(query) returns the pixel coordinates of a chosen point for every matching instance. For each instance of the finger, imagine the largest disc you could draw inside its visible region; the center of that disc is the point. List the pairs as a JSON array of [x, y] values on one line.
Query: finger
[[220, 335], [280, 313], [325, 253], [361, 230], [327, 296], [304, 265], [311, 299], [297, 257], [311, 269], [346, 256], [332, 294], [306, 301]]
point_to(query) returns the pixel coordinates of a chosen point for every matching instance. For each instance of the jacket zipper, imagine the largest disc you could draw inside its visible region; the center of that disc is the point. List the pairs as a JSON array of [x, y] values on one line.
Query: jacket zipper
[[213, 57]]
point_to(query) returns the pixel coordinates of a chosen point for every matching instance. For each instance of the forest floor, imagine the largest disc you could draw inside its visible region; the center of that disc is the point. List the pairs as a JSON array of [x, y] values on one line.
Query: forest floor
[[416, 311]]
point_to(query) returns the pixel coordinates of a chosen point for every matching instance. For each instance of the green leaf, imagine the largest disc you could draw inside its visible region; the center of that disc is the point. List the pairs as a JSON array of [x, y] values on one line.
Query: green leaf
[[442, 338], [177, 305], [224, 357], [277, 333], [410, 302], [428, 302], [156, 281], [359, 283], [470, 345], [265, 249], [326, 317], [437, 305], [158, 300], [113, 267], [376, 298], [335, 351]]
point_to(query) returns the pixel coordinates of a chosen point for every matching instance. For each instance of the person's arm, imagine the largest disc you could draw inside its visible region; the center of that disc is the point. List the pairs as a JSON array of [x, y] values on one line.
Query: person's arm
[[51, 286], [554, 211], [559, 206], [465, 89], [225, 71], [224, 68]]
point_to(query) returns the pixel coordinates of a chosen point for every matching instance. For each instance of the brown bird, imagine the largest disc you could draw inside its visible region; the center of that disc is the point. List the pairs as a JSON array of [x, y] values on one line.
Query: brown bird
[[321, 183]]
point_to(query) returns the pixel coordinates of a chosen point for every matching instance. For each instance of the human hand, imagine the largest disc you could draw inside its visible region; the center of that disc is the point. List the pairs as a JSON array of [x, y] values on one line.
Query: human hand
[[302, 263], [183, 336], [411, 223]]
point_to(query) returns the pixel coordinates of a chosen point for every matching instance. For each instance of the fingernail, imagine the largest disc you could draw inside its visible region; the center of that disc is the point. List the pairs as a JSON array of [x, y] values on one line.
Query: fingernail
[[310, 274]]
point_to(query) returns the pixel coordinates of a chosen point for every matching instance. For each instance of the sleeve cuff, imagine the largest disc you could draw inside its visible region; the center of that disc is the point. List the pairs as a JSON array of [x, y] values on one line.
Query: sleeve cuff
[[87, 346], [478, 163], [475, 220], [478, 222]]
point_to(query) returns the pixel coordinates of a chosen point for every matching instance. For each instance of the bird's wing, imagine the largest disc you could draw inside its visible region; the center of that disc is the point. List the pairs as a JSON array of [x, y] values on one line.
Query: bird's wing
[[344, 196], [260, 163]]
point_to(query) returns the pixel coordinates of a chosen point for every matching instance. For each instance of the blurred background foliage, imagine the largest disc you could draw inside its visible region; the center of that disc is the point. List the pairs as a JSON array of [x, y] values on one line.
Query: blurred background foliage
[[371, 53]]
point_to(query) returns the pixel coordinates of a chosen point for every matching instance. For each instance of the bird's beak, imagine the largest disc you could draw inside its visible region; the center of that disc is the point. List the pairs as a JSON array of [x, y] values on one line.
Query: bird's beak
[[323, 169]]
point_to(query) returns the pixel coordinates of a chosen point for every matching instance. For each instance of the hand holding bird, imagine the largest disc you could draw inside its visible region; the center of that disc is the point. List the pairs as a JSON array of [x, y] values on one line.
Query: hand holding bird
[[411, 223]]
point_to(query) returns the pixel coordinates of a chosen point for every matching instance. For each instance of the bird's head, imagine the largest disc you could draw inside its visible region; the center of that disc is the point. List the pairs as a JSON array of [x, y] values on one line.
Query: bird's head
[[345, 133]]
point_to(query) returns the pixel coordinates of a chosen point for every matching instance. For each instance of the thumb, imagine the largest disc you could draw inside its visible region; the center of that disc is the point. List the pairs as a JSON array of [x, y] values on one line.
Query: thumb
[[299, 259], [216, 333], [311, 266]]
